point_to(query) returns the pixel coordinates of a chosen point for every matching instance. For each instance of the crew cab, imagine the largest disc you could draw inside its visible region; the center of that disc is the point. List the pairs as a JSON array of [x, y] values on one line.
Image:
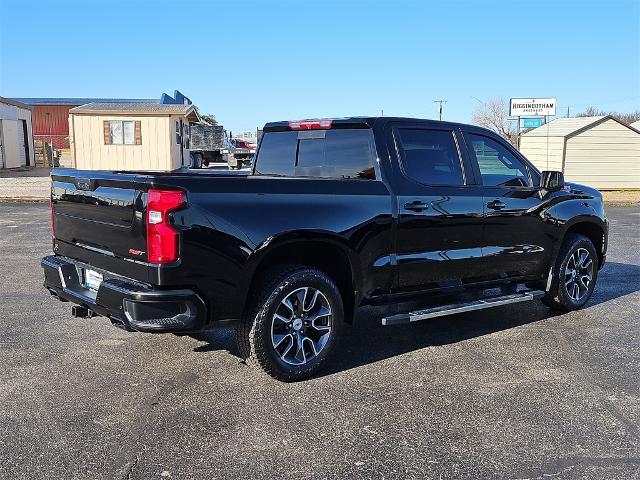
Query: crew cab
[[335, 214]]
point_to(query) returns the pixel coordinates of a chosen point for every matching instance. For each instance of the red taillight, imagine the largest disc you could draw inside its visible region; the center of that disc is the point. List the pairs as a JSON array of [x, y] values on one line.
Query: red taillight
[[322, 124], [163, 240]]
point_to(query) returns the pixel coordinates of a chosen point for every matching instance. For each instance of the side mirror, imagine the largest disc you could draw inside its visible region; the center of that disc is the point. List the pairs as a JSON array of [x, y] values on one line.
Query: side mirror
[[552, 181]]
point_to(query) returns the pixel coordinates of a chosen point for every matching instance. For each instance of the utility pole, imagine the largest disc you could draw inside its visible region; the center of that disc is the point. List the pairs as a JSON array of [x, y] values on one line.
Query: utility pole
[[568, 107], [441, 102]]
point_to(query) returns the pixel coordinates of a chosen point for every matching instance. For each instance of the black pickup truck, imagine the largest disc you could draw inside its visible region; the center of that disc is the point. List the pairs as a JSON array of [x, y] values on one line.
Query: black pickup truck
[[335, 214]]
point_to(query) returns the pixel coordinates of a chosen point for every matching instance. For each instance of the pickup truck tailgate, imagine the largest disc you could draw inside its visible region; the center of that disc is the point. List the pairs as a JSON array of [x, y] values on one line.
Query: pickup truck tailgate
[[98, 212]]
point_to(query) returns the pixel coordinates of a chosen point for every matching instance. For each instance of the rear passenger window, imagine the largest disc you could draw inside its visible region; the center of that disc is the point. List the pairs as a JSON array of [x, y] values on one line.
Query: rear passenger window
[[431, 156], [343, 154]]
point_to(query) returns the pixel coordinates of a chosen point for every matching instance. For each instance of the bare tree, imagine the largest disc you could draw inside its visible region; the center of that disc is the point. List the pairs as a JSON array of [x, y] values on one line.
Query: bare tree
[[626, 118], [590, 112], [494, 115]]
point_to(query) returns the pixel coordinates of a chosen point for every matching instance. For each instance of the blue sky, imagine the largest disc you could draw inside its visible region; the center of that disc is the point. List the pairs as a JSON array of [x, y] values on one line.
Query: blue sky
[[249, 63]]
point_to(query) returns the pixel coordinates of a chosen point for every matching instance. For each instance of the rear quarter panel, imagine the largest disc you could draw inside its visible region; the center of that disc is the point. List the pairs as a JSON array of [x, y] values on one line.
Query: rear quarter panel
[[231, 224]]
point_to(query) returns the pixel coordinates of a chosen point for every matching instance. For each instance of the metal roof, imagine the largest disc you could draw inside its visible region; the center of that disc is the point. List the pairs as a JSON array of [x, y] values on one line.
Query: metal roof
[[15, 103], [133, 108], [81, 101], [564, 127]]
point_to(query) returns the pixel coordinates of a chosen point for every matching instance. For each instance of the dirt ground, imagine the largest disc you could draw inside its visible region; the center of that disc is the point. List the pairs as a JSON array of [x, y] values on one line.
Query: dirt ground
[[622, 198]]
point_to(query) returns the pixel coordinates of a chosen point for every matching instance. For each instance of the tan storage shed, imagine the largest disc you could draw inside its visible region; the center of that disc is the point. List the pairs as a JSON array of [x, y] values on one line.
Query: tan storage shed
[[131, 136], [16, 135], [597, 151]]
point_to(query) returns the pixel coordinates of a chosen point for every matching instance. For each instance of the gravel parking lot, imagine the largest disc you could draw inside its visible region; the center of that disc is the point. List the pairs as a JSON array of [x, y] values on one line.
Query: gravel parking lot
[[513, 392]]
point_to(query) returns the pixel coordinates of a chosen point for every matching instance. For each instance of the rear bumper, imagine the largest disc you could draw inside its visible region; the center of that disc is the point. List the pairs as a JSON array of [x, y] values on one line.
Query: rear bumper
[[129, 304]]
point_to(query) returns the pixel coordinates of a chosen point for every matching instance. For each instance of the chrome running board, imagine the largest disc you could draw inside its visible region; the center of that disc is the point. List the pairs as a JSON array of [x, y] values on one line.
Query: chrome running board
[[443, 310]]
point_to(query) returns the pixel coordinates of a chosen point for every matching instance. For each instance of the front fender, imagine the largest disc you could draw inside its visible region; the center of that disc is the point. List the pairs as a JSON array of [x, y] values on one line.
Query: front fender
[[573, 211]]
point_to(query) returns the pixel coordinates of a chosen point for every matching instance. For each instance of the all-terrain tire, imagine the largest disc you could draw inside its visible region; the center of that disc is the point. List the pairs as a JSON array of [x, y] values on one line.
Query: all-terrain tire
[[254, 333], [561, 295]]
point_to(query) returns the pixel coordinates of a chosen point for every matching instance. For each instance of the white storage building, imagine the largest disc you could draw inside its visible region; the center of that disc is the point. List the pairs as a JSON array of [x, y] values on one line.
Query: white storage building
[[16, 135], [597, 151]]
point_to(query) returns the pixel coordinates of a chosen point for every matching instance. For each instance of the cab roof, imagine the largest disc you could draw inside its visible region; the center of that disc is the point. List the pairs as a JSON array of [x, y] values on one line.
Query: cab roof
[[355, 122]]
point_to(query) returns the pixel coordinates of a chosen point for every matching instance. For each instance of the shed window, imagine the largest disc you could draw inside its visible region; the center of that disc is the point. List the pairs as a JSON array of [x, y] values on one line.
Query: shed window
[[122, 132], [185, 135]]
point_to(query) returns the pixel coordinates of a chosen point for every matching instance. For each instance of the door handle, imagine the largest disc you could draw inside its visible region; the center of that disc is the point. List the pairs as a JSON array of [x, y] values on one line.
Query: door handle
[[416, 206], [496, 205]]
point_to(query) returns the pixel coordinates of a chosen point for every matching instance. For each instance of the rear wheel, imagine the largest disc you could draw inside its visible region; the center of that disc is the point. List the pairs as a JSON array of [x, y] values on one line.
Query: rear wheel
[[293, 324], [196, 160], [574, 275]]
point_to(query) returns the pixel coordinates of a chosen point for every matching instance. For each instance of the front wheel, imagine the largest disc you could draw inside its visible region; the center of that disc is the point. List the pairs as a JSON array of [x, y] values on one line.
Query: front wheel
[[575, 274], [293, 323]]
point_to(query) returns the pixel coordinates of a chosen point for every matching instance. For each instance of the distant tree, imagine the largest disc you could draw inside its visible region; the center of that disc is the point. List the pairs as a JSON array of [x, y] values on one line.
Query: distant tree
[[626, 118], [494, 115], [210, 119]]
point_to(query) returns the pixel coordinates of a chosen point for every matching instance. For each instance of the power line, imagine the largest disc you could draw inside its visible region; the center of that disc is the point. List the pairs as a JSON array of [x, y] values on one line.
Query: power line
[[441, 102], [591, 103]]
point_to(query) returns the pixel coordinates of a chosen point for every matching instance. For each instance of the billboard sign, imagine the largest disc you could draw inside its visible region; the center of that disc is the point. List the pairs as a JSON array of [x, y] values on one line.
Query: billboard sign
[[532, 122], [527, 107]]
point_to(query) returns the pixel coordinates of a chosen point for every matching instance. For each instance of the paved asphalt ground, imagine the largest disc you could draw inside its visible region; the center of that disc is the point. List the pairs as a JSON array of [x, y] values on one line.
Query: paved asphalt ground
[[513, 392]]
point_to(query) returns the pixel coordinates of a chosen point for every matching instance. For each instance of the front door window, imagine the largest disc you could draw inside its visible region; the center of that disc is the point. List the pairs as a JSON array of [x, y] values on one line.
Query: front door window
[[498, 166]]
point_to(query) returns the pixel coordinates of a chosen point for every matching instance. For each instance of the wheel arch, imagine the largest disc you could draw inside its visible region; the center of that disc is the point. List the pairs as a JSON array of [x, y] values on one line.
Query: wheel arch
[[594, 229], [326, 252]]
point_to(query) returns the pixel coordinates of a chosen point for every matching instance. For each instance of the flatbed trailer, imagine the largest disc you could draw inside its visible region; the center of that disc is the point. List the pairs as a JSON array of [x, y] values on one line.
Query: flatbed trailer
[[208, 144]]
